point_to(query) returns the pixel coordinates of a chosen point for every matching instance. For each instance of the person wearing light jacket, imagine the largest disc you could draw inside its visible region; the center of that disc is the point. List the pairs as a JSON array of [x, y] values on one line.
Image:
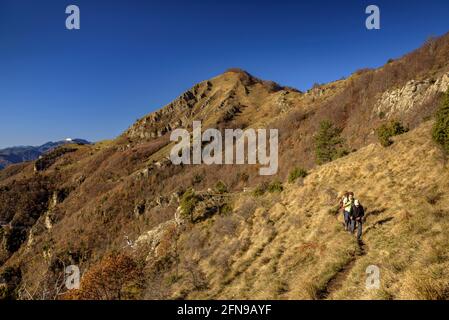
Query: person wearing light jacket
[[348, 201]]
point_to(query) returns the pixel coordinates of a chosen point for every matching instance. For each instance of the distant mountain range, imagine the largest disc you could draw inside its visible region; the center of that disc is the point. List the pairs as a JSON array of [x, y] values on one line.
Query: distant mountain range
[[20, 154]]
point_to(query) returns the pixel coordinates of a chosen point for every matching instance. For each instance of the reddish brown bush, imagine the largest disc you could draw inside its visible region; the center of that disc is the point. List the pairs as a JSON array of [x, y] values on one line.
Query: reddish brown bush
[[115, 277]]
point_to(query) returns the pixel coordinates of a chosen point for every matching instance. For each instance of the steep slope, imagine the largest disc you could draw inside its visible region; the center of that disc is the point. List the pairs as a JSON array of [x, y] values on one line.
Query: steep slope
[[292, 245], [78, 204], [405, 89], [233, 94]]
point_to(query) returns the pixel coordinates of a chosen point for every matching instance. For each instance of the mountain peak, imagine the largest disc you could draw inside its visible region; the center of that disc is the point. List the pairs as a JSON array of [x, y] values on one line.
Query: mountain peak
[[221, 99], [247, 79], [238, 71]]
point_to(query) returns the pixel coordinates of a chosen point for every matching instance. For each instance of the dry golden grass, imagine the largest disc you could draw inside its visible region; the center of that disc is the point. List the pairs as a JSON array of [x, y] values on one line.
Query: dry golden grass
[[287, 245], [292, 246]]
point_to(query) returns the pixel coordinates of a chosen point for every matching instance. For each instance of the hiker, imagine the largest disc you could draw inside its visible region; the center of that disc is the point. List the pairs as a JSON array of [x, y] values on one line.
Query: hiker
[[347, 207], [357, 214], [342, 207]]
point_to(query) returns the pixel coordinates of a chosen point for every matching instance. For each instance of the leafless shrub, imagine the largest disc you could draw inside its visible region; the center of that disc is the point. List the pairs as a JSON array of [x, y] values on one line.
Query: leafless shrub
[[197, 277], [225, 225], [247, 208]]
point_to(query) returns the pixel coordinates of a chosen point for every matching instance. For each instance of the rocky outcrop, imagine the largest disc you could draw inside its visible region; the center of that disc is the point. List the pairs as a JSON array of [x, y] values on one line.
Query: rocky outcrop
[[282, 102], [401, 101], [48, 221], [158, 202], [172, 116], [152, 239], [218, 100]]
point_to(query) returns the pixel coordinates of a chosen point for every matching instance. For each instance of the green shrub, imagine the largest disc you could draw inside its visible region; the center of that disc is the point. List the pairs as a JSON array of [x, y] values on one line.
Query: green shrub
[[197, 178], [297, 173], [225, 209], [221, 187], [341, 153], [172, 279], [260, 189], [243, 176], [188, 203], [328, 143], [388, 130], [275, 186], [440, 132]]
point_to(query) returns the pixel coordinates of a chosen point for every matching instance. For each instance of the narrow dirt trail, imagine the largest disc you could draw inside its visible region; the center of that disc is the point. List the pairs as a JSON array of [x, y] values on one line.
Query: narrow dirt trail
[[336, 282]]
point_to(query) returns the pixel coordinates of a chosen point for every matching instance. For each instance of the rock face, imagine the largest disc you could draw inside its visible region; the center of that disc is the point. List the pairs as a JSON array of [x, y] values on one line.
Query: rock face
[[218, 100], [170, 117], [400, 101], [48, 223], [208, 205], [153, 237]]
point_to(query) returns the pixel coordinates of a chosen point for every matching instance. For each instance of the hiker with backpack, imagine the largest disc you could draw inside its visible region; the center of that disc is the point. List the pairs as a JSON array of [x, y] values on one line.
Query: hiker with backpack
[[342, 207], [356, 216], [347, 203]]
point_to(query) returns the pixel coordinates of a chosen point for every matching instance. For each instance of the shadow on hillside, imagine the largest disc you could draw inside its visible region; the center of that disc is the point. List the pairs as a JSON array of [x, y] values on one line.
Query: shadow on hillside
[[377, 224], [208, 213], [375, 212]]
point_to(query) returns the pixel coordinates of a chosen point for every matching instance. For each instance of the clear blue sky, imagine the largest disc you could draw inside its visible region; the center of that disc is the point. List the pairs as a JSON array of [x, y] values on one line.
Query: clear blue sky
[[132, 57]]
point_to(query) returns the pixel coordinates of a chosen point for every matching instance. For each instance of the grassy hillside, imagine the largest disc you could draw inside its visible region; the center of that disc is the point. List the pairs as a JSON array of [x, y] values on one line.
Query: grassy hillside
[[292, 244], [120, 209]]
